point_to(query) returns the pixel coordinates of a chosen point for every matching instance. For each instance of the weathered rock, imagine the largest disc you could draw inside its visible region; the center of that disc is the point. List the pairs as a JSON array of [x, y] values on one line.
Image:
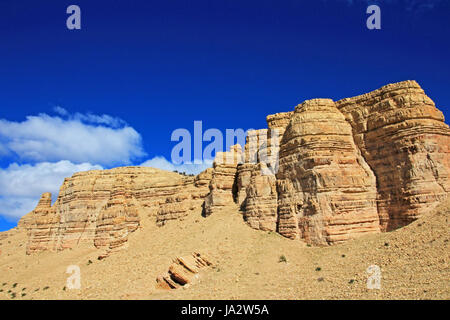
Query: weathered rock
[[329, 192], [116, 220], [42, 225], [325, 173], [261, 204], [183, 271], [223, 180], [404, 139], [385, 152], [102, 207]]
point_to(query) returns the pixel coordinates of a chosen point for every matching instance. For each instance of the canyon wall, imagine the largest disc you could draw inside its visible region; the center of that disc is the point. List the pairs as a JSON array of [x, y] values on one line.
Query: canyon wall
[[325, 173]]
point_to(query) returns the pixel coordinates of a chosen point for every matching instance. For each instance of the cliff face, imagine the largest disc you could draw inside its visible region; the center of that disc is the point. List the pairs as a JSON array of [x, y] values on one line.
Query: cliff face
[[325, 173], [102, 207], [404, 139], [326, 190], [366, 164]]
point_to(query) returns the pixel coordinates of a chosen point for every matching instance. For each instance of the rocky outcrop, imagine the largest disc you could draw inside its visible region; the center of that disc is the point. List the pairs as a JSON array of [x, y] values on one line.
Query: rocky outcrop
[[326, 190], [183, 271], [223, 180], [325, 173], [102, 207], [359, 165], [404, 139], [42, 225], [117, 219], [261, 204]]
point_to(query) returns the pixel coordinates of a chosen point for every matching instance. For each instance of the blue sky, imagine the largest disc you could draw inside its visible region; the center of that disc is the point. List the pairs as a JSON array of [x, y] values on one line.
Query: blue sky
[[112, 93]]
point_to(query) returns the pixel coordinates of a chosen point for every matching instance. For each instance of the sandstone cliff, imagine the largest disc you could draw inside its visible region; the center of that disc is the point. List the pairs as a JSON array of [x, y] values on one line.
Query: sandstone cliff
[[325, 173], [102, 207], [366, 164]]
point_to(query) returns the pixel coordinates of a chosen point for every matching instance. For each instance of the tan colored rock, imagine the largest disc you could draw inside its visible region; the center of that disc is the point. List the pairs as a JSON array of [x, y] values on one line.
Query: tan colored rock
[[261, 204], [404, 139], [223, 180], [42, 225], [390, 156], [183, 271], [118, 218], [102, 207], [325, 173], [328, 193]]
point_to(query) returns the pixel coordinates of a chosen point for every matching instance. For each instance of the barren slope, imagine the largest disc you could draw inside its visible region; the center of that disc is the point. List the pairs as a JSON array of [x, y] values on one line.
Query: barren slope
[[414, 262]]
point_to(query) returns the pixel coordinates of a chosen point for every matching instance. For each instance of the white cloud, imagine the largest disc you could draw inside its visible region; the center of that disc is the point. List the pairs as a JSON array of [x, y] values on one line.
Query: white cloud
[[79, 138], [22, 185], [104, 119], [189, 168], [61, 111]]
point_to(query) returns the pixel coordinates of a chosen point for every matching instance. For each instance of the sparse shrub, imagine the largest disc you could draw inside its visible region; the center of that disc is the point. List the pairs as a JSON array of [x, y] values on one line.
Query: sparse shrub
[[24, 294], [320, 279], [45, 288], [318, 268], [343, 256], [386, 244], [351, 281], [282, 258], [89, 262], [14, 285]]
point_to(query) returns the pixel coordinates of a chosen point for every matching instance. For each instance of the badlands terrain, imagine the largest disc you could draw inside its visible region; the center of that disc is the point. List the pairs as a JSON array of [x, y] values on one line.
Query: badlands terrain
[[300, 212]]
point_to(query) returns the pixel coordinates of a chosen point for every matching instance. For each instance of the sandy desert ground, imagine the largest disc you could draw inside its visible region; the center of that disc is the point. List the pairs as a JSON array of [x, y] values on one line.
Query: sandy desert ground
[[249, 264]]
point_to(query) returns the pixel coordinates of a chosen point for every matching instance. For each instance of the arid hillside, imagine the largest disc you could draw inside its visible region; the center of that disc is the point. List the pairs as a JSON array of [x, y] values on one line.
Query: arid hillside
[[248, 264], [308, 208]]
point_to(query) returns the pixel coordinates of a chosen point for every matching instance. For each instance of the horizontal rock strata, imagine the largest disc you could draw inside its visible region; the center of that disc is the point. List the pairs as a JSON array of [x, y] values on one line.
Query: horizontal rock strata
[[183, 271], [102, 207], [325, 173]]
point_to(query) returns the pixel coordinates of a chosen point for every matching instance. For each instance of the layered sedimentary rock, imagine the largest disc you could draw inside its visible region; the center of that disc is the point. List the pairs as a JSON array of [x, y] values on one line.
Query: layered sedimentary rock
[[117, 219], [42, 225], [326, 190], [359, 165], [102, 207], [256, 178], [260, 207], [223, 180], [183, 271], [404, 139], [325, 173]]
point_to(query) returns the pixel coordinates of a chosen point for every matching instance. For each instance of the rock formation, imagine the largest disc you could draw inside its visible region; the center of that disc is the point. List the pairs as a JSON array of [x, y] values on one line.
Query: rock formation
[[101, 207], [183, 271], [324, 173], [404, 139], [326, 190], [331, 171], [223, 178]]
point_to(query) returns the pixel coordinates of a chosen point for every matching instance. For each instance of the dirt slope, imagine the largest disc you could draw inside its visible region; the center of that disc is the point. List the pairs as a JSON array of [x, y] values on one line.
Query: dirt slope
[[414, 264]]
